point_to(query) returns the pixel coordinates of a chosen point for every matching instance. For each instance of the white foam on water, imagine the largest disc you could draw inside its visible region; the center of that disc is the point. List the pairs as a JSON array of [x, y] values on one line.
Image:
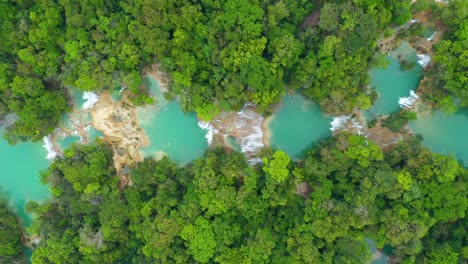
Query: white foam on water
[[91, 98], [432, 36], [408, 102], [414, 21], [339, 122], [253, 142], [252, 121], [424, 59], [210, 130], [255, 161], [246, 129], [356, 125], [346, 122], [49, 146]]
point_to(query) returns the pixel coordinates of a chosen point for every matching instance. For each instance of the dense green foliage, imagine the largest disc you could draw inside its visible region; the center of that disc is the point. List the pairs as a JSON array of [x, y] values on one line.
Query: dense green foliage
[[340, 50], [47, 45], [397, 120], [220, 54], [447, 86], [11, 248], [218, 209], [452, 53], [224, 53]]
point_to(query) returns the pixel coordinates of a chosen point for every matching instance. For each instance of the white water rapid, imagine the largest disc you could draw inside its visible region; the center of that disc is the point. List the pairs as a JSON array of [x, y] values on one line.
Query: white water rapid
[[49, 146], [346, 123], [211, 130], [424, 59], [91, 98], [408, 102]]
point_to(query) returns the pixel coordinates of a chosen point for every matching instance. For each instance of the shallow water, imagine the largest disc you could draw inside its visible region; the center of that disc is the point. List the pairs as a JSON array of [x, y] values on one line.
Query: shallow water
[[171, 131], [378, 257], [393, 83], [20, 166], [65, 142], [444, 134], [297, 124]]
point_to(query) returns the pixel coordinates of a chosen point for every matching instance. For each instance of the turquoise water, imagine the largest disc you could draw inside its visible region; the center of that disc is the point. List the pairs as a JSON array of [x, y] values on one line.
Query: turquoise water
[[297, 124], [444, 134], [65, 142], [116, 94], [171, 131], [377, 256], [20, 166], [394, 82]]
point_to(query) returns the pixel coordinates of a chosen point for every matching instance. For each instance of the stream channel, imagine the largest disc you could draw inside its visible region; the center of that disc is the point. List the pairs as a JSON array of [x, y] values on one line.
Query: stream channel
[[297, 124]]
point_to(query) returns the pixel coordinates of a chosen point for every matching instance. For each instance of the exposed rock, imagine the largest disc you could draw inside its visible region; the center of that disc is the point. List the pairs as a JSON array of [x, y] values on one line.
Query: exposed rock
[[246, 126], [303, 189], [118, 123]]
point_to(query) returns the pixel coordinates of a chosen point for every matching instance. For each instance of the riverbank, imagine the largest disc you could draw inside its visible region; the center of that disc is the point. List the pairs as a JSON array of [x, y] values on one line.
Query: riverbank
[[163, 78], [266, 130]]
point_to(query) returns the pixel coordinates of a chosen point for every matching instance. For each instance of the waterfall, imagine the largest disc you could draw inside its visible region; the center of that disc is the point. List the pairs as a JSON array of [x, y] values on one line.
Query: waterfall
[[424, 59], [432, 36], [210, 130], [339, 122], [408, 102], [245, 126], [346, 123], [250, 131], [49, 146], [252, 142], [90, 99]]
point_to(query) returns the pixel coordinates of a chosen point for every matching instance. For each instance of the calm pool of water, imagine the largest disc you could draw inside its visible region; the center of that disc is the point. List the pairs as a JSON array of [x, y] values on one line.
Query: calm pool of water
[[297, 124], [171, 131]]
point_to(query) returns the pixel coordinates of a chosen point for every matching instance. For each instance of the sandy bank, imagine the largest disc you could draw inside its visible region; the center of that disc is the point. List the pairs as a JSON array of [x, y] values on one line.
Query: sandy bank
[[266, 130], [162, 78]]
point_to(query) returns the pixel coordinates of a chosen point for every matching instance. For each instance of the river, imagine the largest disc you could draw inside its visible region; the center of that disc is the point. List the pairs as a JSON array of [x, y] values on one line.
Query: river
[[297, 125], [170, 130], [393, 82], [444, 133], [20, 166]]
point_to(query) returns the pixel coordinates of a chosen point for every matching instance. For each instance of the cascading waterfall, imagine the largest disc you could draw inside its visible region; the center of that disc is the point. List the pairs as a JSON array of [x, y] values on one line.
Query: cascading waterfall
[[339, 122], [346, 123], [432, 36], [49, 146], [211, 131], [424, 59], [408, 102], [244, 126], [252, 122], [91, 98]]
